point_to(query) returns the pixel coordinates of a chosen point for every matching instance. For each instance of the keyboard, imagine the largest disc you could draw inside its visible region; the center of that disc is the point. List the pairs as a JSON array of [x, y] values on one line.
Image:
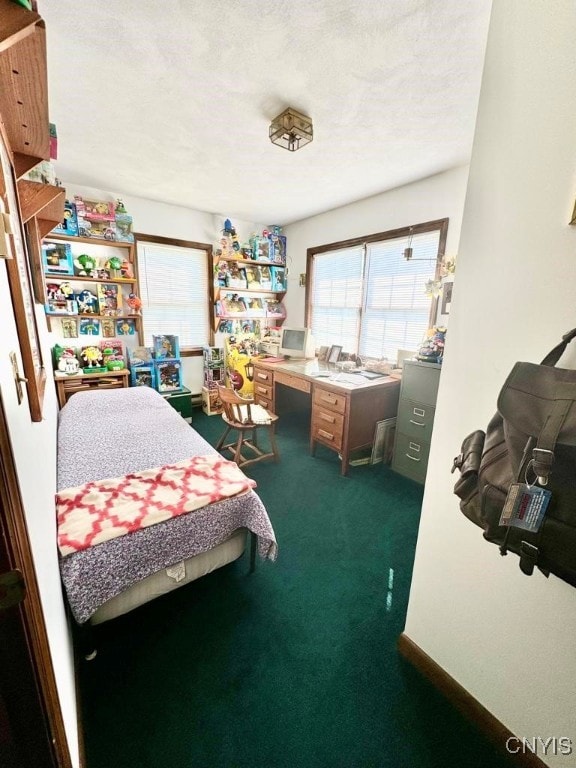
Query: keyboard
[[271, 360]]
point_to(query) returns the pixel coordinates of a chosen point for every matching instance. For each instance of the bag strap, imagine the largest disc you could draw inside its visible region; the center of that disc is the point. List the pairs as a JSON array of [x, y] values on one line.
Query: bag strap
[[555, 354]]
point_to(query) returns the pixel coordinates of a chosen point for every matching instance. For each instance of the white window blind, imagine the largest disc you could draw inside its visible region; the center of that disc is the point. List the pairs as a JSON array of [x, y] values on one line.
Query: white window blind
[[174, 288], [370, 299], [396, 308], [337, 297]]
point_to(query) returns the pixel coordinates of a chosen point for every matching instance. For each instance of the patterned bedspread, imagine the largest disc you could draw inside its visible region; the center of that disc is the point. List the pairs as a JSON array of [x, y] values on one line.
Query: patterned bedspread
[[112, 433]]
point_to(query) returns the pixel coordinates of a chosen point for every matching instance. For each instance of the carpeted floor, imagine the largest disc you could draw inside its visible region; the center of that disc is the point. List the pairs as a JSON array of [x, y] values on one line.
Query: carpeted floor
[[294, 666]]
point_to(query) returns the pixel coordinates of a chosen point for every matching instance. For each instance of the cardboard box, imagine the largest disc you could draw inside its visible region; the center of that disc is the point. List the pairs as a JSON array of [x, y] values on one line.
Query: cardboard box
[[211, 403]]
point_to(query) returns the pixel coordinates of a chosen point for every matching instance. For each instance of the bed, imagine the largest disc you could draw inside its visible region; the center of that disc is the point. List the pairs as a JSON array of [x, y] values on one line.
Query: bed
[[111, 434]]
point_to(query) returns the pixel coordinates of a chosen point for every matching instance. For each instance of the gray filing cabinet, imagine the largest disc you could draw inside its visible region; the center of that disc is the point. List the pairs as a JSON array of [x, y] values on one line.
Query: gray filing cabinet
[[415, 418]]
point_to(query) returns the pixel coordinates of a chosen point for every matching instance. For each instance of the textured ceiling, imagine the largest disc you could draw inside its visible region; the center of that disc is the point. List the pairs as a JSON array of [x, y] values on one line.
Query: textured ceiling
[[172, 100]]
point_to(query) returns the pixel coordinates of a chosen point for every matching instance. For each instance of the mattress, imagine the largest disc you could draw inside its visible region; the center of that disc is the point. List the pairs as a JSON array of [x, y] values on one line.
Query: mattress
[[111, 433]]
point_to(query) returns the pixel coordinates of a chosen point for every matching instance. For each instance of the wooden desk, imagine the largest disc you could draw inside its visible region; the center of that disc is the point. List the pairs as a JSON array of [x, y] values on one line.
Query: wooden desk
[[344, 415], [66, 386]]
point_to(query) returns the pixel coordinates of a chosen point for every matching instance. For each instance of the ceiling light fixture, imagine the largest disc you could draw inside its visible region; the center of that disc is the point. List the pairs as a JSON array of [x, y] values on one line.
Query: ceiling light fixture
[[291, 130]]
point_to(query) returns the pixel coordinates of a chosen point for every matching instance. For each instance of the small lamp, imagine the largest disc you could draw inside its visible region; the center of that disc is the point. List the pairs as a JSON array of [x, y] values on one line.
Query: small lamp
[[249, 369], [291, 130]]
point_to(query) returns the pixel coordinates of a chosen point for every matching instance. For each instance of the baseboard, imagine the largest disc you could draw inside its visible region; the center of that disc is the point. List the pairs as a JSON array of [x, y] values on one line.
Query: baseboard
[[465, 703]]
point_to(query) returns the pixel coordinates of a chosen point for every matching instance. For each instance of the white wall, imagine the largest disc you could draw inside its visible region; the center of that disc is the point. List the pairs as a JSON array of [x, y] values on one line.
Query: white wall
[[34, 448], [507, 638], [163, 220], [436, 197]]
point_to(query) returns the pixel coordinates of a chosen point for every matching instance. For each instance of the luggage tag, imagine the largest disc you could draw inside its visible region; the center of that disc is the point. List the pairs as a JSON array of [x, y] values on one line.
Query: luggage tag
[[525, 506]]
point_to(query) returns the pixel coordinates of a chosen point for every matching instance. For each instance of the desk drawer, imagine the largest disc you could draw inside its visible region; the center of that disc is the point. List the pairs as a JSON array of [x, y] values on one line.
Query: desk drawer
[[328, 420], [329, 434], [267, 403], [292, 381], [331, 400], [263, 390], [415, 419], [263, 376]]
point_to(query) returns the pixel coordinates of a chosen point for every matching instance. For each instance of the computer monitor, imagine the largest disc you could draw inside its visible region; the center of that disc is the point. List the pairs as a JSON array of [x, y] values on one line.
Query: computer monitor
[[297, 342]]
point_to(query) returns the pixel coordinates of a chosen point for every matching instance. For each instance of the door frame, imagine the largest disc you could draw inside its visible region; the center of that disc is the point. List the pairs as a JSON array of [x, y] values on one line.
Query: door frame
[[20, 556]]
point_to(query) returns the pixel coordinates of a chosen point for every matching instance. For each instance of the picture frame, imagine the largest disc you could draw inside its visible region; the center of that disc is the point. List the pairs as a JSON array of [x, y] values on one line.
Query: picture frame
[[446, 298], [19, 279], [334, 354], [323, 354]]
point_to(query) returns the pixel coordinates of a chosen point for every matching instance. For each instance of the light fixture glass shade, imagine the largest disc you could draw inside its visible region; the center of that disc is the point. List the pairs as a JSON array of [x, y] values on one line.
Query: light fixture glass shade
[[291, 130]]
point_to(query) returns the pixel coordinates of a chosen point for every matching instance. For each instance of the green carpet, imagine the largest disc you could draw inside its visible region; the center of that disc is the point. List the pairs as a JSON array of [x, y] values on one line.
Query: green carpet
[[294, 665]]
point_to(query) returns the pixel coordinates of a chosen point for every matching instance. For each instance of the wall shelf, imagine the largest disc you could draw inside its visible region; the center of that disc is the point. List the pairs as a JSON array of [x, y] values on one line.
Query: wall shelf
[[24, 85], [80, 279], [91, 241]]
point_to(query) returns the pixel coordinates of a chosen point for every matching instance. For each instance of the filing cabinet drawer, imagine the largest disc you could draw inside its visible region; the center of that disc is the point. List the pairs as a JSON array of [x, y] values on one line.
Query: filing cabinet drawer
[[420, 381], [415, 419], [411, 457], [329, 400]]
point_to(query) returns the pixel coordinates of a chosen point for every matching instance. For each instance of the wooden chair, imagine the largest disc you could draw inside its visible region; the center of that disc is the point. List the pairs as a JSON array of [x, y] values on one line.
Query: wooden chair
[[244, 417]]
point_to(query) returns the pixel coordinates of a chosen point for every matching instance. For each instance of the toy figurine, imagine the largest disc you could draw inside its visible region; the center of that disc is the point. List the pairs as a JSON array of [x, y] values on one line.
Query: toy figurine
[[92, 356], [120, 207], [68, 363], [86, 265], [432, 348], [126, 269], [114, 264], [87, 302], [134, 302]]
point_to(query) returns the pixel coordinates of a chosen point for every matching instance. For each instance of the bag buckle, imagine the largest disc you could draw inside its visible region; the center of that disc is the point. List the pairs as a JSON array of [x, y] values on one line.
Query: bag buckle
[[542, 460], [528, 557], [458, 461]]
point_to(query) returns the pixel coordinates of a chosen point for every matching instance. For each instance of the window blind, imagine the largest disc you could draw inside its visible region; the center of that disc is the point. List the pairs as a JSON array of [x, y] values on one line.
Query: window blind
[[337, 297], [396, 309], [174, 288], [372, 301]]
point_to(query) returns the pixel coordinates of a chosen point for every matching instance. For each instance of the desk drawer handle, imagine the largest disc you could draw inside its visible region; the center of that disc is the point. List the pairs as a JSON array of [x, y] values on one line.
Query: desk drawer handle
[[326, 417], [418, 411], [263, 376], [263, 402], [327, 435], [263, 389], [328, 399], [413, 458], [417, 423]]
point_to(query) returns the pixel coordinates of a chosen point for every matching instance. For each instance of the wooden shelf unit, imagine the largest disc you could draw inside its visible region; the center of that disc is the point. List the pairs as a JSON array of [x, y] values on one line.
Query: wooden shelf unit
[[132, 282]]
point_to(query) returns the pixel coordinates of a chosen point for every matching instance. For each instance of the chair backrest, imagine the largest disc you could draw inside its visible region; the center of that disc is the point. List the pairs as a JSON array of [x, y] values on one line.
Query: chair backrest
[[231, 402]]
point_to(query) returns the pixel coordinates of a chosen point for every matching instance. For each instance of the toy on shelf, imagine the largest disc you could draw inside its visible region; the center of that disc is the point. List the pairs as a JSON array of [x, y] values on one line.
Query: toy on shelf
[[69, 326], [109, 299], [85, 266], [166, 346], [108, 328], [125, 327], [87, 302], [92, 356], [124, 232], [143, 376], [126, 270], [114, 264], [168, 375], [66, 360], [113, 355], [60, 299], [230, 231], [278, 278], [135, 303], [89, 326], [432, 348], [57, 258], [69, 224], [214, 366]]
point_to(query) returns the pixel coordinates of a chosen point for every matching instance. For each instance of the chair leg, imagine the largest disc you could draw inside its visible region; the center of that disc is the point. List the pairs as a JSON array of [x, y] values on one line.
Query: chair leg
[[238, 454], [220, 442], [273, 442], [255, 437]]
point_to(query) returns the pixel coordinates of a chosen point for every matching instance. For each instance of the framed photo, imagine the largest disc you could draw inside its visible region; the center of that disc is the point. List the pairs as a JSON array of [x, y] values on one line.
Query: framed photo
[[323, 354], [22, 298], [334, 353], [446, 297]]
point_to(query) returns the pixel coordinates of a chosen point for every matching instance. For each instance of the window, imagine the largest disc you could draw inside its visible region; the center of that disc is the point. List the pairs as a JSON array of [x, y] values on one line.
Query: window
[[365, 296], [173, 276]]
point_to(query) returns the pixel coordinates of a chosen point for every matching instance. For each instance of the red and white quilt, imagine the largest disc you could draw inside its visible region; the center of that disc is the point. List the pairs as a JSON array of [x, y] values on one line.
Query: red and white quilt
[[105, 509]]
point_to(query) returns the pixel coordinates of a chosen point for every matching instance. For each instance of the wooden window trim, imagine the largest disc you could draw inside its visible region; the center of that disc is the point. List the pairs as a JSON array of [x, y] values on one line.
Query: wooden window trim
[[144, 238]]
